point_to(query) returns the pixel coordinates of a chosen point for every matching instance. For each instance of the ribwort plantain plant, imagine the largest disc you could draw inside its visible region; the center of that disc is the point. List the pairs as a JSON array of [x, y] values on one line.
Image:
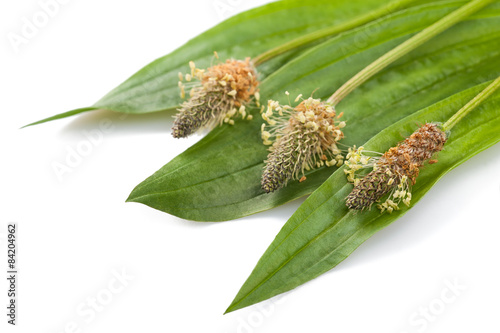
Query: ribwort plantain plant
[[397, 169], [220, 93], [323, 231], [294, 148], [278, 31]]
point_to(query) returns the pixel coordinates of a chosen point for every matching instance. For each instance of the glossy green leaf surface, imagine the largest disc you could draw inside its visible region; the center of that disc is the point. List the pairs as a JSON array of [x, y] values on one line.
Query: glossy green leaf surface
[[154, 87], [219, 177], [323, 232]]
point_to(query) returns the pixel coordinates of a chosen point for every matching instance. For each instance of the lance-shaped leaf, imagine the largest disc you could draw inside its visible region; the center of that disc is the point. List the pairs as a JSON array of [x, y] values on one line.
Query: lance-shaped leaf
[[323, 232], [154, 87], [219, 177]]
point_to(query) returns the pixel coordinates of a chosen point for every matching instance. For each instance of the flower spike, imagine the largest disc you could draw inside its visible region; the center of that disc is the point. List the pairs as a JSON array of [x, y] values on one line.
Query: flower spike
[[302, 138], [394, 172], [218, 94], [283, 164]]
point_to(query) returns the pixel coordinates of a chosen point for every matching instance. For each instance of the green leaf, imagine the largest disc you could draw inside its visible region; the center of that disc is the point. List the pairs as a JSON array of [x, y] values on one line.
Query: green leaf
[[62, 115], [219, 177], [323, 232], [154, 87]]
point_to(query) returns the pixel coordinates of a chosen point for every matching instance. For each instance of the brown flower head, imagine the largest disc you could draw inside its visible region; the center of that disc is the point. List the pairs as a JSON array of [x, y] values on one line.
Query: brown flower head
[[394, 172], [302, 137], [217, 95]]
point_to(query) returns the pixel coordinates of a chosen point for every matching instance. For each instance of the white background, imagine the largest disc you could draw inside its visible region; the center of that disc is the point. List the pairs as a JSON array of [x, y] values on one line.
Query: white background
[[76, 234]]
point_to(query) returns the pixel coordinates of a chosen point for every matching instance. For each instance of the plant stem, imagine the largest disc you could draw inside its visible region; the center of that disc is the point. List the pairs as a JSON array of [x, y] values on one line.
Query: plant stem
[[329, 31], [472, 104], [406, 47]]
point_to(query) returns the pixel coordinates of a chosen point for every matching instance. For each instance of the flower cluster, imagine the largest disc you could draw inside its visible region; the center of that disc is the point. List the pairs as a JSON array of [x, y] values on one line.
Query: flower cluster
[[394, 172], [302, 138], [217, 95]]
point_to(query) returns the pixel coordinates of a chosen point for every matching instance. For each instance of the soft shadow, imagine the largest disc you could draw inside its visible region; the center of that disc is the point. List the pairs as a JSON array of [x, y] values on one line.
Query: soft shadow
[[436, 211], [191, 224], [158, 217], [278, 214], [281, 213], [114, 123]]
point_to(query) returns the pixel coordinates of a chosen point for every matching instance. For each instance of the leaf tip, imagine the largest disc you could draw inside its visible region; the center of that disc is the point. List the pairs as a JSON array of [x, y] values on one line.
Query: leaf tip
[[34, 123], [131, 197], [231, 308], [239, 302], [60, 116]]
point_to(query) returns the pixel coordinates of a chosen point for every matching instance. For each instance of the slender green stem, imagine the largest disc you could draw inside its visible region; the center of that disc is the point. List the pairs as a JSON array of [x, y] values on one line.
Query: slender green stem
[[406, 47], [490, 89], [330, 31]]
